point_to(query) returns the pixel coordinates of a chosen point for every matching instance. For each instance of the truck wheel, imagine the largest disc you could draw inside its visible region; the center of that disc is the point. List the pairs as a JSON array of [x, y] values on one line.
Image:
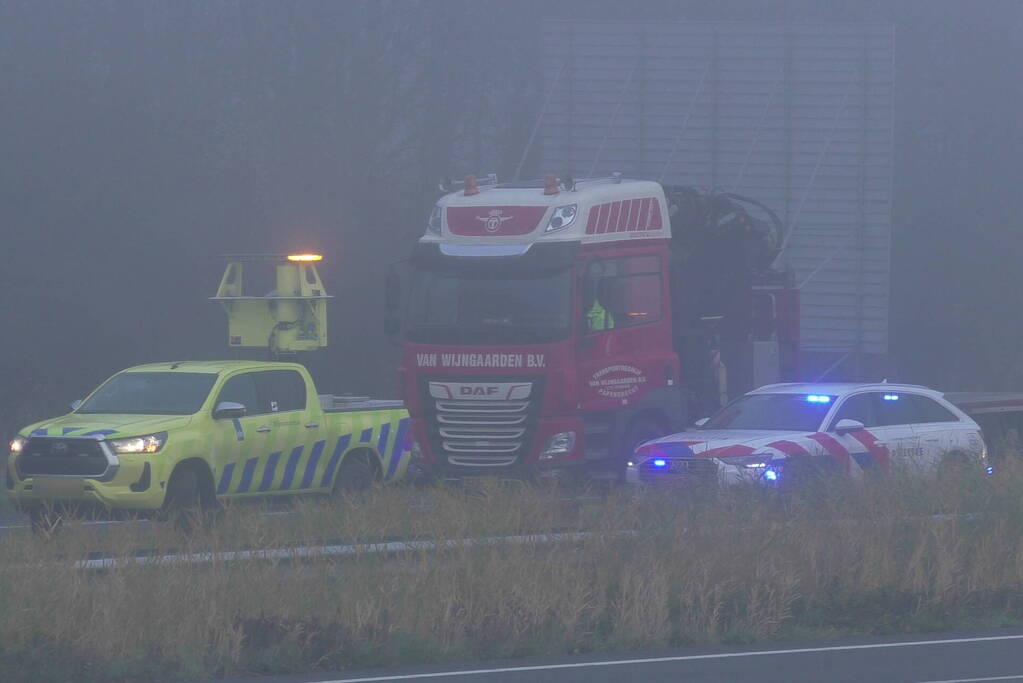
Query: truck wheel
[[357, 473], [183, 504], [640, 430]]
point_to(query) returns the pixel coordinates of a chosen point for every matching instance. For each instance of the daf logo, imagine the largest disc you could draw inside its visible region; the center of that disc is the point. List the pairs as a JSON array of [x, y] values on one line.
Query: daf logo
[[469, 390], [59, 448], [494, 220]]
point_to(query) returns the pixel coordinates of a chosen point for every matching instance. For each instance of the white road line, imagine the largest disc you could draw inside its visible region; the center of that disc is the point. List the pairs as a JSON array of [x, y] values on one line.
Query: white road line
[[331, 550], [1017, 677], [685, 658]]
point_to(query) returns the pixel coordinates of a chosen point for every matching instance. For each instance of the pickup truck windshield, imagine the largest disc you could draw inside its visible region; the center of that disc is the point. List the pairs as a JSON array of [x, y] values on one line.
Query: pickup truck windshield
[[478, 308], [151, 393], [782, 412]]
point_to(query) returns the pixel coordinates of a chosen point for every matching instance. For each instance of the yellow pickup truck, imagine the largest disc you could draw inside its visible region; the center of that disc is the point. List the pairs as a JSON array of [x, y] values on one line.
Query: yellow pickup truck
[[168, 437]]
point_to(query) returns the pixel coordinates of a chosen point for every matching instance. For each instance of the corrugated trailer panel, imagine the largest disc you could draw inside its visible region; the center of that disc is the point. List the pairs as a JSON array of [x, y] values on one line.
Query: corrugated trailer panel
[[799, 116]]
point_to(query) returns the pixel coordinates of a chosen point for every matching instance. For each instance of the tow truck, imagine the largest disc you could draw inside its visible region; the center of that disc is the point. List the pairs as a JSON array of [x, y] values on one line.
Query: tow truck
[[166, 438], [555, 325]]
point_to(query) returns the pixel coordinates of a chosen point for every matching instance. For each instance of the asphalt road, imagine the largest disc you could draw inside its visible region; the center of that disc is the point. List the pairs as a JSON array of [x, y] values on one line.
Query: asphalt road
[[945, 658]]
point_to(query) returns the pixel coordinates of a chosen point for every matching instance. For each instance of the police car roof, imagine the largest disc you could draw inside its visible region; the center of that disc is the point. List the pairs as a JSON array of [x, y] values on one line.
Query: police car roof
[[839, 388]]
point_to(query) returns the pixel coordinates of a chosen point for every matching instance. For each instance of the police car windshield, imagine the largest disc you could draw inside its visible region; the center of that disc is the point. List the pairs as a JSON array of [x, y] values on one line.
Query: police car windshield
[[782, 412], [478, 308], [151, 393]]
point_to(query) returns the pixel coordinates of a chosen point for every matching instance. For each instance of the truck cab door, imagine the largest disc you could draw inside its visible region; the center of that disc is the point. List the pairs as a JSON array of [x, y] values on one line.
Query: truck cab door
[[625, 349], [240, 443]]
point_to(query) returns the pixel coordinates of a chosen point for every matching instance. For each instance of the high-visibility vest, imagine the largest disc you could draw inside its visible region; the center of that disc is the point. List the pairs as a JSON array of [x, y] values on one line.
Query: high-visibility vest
[[599, 318]]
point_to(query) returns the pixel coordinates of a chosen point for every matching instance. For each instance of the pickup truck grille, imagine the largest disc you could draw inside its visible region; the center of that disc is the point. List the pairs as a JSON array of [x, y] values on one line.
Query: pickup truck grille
[[481, 424], [54, 456], [680, 471]]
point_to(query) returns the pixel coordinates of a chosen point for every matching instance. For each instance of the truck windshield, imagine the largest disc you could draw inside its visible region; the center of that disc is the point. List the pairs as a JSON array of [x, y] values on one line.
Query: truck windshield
[[151, 393], [782, 412], [478, 308]]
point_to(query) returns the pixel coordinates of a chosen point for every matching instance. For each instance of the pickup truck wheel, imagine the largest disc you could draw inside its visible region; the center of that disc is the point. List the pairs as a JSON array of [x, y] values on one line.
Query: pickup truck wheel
[[183, 504], [45, 520], [357, 473]]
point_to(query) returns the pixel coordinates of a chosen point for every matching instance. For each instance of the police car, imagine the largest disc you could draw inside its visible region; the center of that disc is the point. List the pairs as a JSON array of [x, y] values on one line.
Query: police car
[[779, 432]]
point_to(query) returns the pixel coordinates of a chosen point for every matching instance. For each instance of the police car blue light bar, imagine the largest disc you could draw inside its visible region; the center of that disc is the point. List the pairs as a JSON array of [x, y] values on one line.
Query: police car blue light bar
[[818, 398]]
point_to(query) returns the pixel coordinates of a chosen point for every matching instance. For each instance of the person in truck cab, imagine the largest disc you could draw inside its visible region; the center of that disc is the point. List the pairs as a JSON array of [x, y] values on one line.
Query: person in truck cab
[[599, 318]]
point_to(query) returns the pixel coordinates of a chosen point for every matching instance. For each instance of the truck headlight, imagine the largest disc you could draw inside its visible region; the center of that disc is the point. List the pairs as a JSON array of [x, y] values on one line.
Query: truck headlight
[[436, 217], [560, 444], [562, 217], [150, 443], [17, 444]]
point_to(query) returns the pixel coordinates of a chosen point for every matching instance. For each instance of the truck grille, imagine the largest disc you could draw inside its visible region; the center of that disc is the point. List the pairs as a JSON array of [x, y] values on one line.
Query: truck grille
[[482, 424], [74, 457], [683, 471]]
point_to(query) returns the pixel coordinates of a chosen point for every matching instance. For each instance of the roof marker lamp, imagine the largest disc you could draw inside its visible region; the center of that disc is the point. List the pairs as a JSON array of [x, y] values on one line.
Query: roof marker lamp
[[436, 217], [305, 258], [562, 217], [818, 398]]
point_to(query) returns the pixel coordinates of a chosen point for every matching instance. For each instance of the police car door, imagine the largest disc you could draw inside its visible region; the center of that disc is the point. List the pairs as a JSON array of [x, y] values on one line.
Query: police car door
[[865, 455], [941, 431], [896, 431]]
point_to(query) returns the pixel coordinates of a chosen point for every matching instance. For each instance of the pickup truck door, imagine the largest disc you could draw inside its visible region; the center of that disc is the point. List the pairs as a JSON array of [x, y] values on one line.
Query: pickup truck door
[[241, 444], [299, 433]]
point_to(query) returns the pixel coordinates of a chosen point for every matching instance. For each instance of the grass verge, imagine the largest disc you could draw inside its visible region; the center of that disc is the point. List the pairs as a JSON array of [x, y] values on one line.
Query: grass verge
[[894, 556]]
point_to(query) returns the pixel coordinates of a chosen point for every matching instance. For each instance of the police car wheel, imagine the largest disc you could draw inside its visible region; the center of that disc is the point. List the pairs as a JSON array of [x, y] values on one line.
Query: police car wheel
[[356, 473]]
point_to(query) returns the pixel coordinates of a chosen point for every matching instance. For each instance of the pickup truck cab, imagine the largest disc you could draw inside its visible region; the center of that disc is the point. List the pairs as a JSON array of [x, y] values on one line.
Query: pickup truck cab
[[777, 433], [185, 434]]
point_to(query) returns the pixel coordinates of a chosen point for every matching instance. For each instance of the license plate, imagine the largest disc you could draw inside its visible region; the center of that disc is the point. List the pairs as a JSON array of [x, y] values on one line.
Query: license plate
[[58, 488], [479, 481]]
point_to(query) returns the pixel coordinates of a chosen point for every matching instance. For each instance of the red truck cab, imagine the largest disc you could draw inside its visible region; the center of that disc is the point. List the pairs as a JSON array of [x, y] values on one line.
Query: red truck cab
[[540, 331]]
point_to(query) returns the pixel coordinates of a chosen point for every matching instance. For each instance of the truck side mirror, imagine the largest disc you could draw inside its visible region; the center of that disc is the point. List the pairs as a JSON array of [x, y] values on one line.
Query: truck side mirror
[[845, 425], [392, 291], [227, 410], [75, 404]]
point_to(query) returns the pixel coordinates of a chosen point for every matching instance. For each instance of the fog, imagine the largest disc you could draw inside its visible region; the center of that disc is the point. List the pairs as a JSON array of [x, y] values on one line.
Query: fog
[[141, 140]]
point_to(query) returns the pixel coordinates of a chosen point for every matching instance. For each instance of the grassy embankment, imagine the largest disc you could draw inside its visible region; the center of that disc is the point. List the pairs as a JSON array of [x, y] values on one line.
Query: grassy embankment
[[735, 569]]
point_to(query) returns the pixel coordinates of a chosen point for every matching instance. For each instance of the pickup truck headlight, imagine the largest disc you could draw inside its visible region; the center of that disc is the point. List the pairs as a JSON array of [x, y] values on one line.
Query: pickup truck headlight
[[17, 443], [150, 443]]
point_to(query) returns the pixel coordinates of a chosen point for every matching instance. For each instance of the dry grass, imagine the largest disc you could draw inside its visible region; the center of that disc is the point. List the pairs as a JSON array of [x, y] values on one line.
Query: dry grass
[[737, 568]]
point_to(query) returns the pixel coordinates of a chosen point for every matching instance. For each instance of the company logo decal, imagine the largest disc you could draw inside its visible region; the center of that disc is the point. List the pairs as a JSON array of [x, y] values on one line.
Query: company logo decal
[[480, 360], [617, 381], [479, 391], [494, 220]]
